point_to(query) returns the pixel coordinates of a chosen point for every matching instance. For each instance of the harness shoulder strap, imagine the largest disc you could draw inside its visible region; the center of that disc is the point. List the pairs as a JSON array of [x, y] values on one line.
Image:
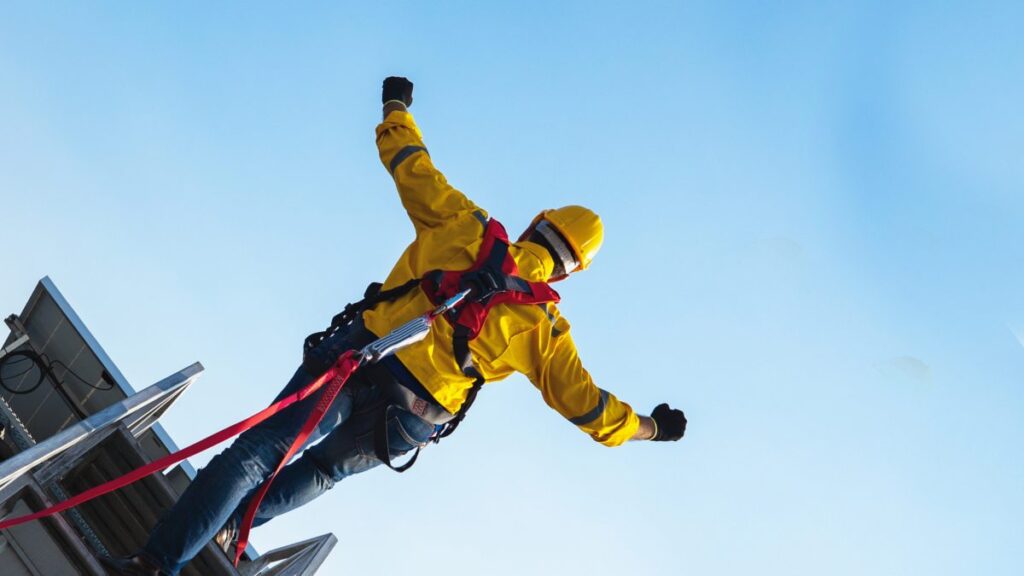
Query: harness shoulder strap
[[495, 281]]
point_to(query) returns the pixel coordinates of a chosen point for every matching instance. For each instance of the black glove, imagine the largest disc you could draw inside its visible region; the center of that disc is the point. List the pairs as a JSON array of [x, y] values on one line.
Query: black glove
[[671, 423], [397, 88]]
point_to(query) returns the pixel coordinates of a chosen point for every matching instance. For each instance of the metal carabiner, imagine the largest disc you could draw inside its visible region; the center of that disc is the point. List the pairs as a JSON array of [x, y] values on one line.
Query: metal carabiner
[[409, 333]]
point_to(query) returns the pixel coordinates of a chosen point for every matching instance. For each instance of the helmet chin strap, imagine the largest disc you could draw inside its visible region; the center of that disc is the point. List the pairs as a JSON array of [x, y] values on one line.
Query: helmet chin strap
[[562, 251]]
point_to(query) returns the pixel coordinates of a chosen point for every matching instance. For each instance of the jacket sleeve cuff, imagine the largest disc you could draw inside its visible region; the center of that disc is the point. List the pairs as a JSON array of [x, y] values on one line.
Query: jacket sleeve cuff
[[399, 118], [622, 434]]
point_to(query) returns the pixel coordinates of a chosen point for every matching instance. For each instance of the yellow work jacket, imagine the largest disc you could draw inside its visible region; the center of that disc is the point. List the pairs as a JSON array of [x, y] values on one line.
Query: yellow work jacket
[[531, 339]]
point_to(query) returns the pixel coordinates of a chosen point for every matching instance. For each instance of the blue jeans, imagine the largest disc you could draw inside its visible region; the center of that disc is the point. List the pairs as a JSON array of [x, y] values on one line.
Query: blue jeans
[[221, 490]]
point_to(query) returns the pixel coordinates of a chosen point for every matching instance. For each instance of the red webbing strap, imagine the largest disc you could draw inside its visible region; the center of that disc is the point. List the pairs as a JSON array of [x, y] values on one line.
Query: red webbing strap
[[343, 368], [449, 282]]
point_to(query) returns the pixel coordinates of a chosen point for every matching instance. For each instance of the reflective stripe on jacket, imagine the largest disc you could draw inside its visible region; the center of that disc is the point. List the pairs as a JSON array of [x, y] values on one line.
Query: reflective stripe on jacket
[[531, 339]]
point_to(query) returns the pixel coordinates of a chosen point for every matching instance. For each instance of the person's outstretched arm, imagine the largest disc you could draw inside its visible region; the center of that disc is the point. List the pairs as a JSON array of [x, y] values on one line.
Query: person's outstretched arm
[[427, 196], [548, 357]]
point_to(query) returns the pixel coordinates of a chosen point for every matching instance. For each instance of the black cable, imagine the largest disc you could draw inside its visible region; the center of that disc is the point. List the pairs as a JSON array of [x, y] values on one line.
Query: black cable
[[45, 366], [26, 356], [26, 371], [68, 370]]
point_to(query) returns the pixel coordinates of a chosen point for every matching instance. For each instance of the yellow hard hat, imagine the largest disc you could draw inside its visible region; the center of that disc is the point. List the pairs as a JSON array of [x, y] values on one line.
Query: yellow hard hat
[[580, 227]]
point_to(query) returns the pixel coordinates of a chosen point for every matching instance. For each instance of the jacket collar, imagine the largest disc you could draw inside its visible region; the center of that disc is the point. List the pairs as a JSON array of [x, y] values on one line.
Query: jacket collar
[[534, 261]]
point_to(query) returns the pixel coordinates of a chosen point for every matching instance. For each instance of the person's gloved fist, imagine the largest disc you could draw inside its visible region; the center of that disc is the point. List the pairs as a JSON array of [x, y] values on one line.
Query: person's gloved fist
[[397, 88], [671, 423]]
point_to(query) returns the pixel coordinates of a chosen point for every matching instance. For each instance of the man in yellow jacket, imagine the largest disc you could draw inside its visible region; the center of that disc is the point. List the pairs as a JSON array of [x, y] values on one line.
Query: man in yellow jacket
[[403, 402]]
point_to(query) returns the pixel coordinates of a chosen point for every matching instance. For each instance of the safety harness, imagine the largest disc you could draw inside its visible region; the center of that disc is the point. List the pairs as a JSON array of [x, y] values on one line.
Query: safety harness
[[493, 279]]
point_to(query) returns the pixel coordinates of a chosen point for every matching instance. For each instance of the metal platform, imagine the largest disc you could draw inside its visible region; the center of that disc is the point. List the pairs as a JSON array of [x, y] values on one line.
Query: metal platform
[[60, 437]]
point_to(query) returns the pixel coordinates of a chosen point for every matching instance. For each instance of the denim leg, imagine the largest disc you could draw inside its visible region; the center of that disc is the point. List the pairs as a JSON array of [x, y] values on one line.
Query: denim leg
[[347, 450], [229, 477]]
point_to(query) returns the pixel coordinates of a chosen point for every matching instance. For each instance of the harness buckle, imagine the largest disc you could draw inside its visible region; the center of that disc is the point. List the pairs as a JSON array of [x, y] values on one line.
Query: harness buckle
[[484, 283], [449, 304]]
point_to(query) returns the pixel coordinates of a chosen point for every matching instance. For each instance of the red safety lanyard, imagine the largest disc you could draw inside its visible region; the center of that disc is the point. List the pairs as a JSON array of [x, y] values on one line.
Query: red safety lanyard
[[335, 378], [343, 368]]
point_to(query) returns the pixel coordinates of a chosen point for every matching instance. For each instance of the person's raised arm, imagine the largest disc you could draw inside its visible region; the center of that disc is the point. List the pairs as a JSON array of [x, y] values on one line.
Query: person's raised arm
[[425, 193]]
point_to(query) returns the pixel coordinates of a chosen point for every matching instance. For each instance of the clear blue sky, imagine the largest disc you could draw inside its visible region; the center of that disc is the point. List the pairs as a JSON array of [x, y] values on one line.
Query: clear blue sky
[[814, 247]]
